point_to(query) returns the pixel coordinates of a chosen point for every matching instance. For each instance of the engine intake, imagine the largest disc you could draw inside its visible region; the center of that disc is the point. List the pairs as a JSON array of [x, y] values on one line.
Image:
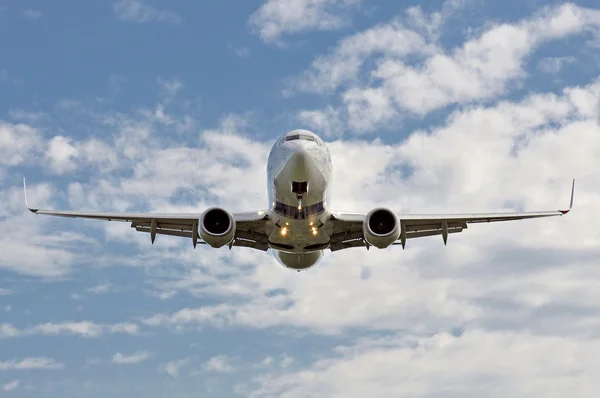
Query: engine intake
[[381, 228], [217, 227]]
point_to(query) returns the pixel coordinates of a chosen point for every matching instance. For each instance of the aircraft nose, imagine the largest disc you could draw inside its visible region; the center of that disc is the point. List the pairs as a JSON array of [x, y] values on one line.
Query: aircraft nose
[[301, 164], [298, 159]]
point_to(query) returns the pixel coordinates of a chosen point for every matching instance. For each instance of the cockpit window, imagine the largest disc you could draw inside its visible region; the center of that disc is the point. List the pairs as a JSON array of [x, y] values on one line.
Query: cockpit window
[[299, 137]]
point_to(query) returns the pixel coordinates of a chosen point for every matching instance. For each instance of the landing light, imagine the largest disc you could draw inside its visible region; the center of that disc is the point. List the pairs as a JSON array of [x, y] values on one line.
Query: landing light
[[283, 231], [315, 232]]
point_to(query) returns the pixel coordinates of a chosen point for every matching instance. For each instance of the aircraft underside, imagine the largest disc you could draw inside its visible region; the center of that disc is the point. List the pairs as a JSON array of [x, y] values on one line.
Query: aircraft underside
[[298, 261]]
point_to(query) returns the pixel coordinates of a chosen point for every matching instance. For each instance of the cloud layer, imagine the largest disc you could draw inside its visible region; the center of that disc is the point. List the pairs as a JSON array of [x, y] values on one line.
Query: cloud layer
[[414, 75], [507, 309]]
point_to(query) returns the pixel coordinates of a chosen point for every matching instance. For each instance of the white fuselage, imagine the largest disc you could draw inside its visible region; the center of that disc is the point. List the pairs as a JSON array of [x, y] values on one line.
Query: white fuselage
[[298, 176]]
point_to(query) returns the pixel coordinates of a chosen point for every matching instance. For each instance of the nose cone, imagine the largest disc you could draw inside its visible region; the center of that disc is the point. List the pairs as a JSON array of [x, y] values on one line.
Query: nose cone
[[301, 165]]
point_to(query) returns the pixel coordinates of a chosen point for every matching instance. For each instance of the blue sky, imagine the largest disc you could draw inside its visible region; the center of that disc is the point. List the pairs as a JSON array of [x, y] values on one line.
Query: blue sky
[[452, 106]]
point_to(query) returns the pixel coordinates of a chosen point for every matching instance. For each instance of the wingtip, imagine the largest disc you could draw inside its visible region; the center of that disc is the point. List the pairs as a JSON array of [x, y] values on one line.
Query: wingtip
[[26, 202], [571, 202], [572, 194]]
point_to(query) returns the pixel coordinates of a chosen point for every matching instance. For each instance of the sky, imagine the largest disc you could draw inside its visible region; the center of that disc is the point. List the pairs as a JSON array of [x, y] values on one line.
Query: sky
[[426, 107]]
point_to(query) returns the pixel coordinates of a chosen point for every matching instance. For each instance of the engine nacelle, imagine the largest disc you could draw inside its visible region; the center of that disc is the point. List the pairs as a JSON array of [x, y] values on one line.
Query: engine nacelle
[[381, 228], [217, 227]]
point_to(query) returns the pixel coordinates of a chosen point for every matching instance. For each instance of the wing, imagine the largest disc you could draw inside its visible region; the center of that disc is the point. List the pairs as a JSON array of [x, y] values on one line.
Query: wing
[[347, 227], [250, 227]]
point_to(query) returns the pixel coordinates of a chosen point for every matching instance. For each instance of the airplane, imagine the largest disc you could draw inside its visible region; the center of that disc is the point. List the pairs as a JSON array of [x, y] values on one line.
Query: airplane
[[299, 226]]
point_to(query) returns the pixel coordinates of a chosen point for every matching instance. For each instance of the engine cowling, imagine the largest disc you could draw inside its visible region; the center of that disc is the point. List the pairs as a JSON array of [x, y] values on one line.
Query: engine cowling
[[381, 228], [217, 227]]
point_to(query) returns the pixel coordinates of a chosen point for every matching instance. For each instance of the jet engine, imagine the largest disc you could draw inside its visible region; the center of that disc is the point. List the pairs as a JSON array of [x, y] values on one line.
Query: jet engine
[[381, 228], [217, 227]]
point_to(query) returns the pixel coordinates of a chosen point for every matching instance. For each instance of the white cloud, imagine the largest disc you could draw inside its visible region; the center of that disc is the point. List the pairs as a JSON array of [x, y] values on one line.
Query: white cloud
[[86, 329], [31, 363], [286, 361], [278, 17], [140, 12], [17, 143], [170, 87], [327, 121], [495, 280], [478, 362], [267, 361], [7, 308], [431, 25], [482, 68], [47, 255], [32, 14], [134, 358], [530, 151], [6, 292], [60, 155], [219, 363], [553, 65], [101, 288], [64, 156], [11, 385], [49, 258], [174, 367], [343, 64], [8, 330]]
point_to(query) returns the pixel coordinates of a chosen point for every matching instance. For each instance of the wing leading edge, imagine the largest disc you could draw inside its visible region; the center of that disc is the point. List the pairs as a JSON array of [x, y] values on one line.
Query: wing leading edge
[[250, 227], [347, 228]]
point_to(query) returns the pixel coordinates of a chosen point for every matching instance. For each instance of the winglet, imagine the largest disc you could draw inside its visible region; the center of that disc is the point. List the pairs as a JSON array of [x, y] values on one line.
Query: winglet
[[571, 203], [27, 204]]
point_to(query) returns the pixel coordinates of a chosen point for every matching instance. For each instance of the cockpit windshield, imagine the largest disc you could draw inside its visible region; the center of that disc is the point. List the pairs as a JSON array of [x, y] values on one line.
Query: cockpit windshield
[[299, 137]]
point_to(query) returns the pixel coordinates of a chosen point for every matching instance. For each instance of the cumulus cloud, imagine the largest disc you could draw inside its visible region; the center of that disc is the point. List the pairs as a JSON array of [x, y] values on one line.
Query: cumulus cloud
[[139, 11], [173, 368], [134, 358], [537, 139], [475, 363], [64, 156], [60, 154], [496, 290], [278, 17], [483, 67], [101, 288], [31, 363], [219, 363], [17, 143], [48, 255]]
